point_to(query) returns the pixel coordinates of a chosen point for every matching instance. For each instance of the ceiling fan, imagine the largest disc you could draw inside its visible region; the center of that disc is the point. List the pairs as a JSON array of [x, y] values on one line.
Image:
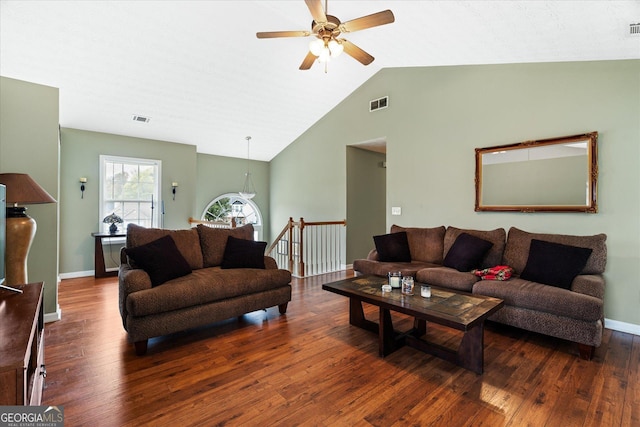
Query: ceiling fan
[[327, 29]]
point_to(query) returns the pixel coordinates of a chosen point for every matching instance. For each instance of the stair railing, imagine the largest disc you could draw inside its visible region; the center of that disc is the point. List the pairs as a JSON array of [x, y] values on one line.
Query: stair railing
[[310, 248]]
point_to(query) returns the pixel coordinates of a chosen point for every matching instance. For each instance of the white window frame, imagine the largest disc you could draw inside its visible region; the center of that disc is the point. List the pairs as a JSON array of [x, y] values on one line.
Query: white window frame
[[156, 217]]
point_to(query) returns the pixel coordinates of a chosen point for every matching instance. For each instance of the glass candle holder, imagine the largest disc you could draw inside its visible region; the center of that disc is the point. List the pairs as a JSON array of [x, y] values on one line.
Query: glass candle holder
[[425, 291], [407, 285], [394, 279]]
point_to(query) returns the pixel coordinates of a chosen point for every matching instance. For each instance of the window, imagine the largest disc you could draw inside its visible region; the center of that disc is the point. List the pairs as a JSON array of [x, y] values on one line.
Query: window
[[231, 205], [130, 188]]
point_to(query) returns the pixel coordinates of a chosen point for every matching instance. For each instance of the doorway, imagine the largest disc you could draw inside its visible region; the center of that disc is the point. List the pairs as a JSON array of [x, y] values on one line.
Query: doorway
[[366, 197]]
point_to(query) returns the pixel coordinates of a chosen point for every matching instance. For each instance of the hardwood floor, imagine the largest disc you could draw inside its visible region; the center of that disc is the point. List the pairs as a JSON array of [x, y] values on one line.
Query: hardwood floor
[[310, 367]]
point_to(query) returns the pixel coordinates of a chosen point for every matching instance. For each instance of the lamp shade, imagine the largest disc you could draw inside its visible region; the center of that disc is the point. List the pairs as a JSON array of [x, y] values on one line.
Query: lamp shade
[[21, 228], [23, 190]]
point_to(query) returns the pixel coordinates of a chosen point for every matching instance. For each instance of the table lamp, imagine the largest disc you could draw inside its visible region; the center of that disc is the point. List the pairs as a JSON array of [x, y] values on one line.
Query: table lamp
[[21, 228]]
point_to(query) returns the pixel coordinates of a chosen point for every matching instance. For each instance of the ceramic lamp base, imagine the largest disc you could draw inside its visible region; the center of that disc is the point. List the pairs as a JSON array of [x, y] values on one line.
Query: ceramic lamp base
[[20, 233]]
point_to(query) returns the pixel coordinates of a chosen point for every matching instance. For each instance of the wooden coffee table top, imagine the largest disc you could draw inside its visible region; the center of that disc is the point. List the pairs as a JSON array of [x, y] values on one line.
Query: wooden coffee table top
[[455, 309]]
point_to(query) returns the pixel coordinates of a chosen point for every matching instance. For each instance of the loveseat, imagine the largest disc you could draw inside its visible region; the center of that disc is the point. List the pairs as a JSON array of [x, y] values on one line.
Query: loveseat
[[174, 280], [554, 286]]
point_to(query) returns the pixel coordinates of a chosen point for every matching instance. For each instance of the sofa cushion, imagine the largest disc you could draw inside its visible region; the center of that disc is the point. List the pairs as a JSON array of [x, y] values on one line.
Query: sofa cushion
[[516, 252], [554, 264], [379, 268], [467, 252], [498, 237], [187, 241], [425, 244], [242, 253], [204, 286], [446, 277], [522, 293], [161, 259], [393, 247], [214, 241]]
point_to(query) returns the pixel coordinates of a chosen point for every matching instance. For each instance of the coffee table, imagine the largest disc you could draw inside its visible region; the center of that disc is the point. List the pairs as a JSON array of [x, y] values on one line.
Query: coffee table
[[454, 309]]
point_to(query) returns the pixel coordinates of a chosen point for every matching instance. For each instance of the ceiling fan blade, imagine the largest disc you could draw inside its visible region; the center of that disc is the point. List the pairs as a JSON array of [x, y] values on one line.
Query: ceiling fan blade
[[355, 52], [274, 34], [374, 20], [317, 11], [308, 61]]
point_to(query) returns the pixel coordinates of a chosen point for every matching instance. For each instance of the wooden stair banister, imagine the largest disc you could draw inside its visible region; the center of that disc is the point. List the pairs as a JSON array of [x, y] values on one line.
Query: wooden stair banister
[[303, 245]]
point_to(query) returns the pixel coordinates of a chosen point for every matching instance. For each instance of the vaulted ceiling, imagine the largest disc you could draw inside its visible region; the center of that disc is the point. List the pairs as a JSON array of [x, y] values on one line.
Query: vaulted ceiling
[[197, 70]]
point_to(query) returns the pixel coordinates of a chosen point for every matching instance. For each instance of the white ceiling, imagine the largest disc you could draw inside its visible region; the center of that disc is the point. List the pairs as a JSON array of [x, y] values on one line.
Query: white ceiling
[[198, 70]]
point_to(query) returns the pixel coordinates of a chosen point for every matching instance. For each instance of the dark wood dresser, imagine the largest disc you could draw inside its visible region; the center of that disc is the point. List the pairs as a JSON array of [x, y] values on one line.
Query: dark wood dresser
[[22, 368]]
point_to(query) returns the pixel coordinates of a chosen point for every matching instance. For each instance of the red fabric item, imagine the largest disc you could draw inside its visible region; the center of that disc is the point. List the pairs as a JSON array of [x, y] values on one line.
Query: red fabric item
[[499, 272]]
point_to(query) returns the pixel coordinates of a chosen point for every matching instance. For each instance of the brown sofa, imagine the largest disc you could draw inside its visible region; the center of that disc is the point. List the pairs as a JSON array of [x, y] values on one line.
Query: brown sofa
[[204, 292], [574, 313]]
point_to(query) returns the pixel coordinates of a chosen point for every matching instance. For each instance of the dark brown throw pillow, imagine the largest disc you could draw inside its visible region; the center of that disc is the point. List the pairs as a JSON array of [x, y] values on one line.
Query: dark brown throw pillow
[[393, 247], [242, 253], [161, 259], [467, 252], [554, 264]]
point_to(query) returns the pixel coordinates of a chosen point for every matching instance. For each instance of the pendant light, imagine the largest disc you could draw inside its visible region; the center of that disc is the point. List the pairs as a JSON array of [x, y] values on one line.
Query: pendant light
[[248, 190]]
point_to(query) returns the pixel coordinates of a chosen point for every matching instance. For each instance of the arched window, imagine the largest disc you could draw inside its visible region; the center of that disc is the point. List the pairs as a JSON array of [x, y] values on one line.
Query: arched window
[[231, 205]]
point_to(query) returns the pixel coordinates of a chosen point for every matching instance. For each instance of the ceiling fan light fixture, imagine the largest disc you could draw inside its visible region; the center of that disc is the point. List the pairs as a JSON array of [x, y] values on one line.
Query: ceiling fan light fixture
[[316, 46], [325, 55], [335, 48]]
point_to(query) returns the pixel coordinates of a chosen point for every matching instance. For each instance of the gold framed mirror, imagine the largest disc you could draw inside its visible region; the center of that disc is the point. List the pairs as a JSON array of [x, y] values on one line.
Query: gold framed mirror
[[549, 175]]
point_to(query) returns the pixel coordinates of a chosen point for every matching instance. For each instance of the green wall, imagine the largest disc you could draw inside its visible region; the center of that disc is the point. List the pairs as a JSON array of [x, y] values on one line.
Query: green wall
[[29, 144], [219, 175], [80, 157], [437, 116], [200, 178]]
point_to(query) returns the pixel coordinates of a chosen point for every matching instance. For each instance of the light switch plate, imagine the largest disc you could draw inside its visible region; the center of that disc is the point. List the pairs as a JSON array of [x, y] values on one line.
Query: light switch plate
[[396, 210]]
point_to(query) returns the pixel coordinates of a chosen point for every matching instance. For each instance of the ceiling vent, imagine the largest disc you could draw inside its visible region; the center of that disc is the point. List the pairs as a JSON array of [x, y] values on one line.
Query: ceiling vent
[[378, 104], [634, 29], [141, 119]]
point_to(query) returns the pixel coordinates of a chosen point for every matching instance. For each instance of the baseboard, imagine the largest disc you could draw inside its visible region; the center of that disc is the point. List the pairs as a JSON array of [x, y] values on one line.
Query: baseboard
[[616, 325], [53, 317], [76, 274]]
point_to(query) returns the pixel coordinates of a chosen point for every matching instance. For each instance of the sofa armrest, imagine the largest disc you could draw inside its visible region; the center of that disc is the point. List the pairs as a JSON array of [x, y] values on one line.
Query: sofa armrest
[[589, 284], [133, 279], [373, 255], [270, 263], [130, 280]]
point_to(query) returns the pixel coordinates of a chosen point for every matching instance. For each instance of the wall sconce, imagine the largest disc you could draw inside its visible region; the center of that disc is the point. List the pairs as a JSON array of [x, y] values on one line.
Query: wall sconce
[[83, 181], [174, 185]]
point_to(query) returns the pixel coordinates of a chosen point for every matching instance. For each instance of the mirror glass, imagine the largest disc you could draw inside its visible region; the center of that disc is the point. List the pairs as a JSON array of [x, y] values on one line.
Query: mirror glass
[[552, 175]]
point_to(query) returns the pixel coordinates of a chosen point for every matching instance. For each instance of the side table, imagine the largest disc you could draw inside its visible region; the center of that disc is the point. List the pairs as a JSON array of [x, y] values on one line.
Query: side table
[[100, 270]]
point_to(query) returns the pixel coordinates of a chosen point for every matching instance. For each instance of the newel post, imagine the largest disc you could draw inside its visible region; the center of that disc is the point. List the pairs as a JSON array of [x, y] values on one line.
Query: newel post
[[301, 259], [290, 225]]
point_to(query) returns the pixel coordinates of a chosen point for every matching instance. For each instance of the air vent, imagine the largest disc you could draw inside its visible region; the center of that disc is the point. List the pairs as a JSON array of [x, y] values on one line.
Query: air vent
[[634, 29], [379, 103], [141, 119]]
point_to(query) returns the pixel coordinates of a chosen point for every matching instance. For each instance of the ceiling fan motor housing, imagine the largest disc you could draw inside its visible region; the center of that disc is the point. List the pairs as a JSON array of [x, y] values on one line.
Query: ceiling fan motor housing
[[331, 28]]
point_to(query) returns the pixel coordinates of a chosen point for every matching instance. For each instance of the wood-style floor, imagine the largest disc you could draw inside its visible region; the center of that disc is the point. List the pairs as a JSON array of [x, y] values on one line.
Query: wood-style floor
[[310, 367]]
